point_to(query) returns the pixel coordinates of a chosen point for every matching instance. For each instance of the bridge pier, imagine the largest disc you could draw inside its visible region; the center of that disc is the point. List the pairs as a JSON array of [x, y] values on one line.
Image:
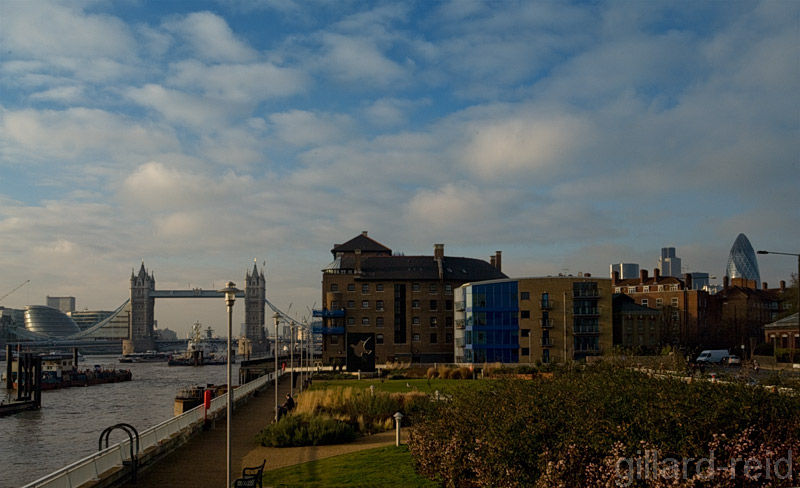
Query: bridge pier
[[143, 344]]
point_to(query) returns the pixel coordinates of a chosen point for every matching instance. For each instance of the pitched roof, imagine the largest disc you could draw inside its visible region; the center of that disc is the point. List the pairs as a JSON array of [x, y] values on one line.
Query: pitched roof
[[423, 268], [363, 243], [662, 280]]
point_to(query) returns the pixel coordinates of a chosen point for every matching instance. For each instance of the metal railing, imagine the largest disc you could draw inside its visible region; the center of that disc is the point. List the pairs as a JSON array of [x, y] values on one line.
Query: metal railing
[[91, 467]]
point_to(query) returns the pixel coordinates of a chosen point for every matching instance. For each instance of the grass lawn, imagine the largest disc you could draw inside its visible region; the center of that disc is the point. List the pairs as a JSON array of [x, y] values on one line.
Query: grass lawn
[[397, 386], [383, 466]]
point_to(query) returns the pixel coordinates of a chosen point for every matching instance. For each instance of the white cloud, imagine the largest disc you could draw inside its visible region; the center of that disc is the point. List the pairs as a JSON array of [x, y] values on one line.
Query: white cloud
[[246, 84], [301, 128], [209, 37], [358, 59]]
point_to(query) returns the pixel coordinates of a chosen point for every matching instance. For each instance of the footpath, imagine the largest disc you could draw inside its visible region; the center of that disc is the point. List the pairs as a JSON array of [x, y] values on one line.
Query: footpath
[[202, 462]]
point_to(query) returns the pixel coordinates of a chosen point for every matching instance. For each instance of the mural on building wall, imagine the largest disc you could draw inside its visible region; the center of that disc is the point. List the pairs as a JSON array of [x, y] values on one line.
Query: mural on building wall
[[361, 352]]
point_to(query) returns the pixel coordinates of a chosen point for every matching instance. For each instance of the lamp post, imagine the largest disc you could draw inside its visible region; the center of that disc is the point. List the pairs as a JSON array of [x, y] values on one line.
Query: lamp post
[[230, 297], [797, 282], [277, 319], [291, 361]]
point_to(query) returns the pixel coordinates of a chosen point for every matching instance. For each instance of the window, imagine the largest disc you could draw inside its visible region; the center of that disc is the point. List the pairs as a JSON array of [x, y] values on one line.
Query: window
[[378, 338], [335, 305], [378, 321], [526, 351], [364, 303], [379, 287], [351, 287], [379, 305], [448, 289], [674, 301], [434, 338], [646, 289], [351, 304], [618, 289], [675, 315], [415, 304], [546, 356], [631, 289], [364, 320], [644, 302], [673, 288], [660, 287], [448, 305], [414, 320], [448, 321], [434, 305], [414, 286], [525, 295], [415, 337], [334, 287], [659, 302], [365, 288], [434, 322], [434, 289], [524, 332], [525, 314], [351, 321], [334, 339], [448, 338]]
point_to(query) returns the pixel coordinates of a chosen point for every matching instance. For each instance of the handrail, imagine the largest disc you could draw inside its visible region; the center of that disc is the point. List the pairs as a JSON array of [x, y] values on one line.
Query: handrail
[[91, 467]]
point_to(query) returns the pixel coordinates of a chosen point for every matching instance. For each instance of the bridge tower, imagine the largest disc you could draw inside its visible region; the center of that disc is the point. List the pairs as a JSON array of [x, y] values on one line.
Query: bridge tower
[[255, 293], [142, 315]]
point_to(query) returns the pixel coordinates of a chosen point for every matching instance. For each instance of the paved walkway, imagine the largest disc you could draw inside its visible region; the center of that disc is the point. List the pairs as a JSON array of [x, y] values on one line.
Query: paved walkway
[[201, 462]]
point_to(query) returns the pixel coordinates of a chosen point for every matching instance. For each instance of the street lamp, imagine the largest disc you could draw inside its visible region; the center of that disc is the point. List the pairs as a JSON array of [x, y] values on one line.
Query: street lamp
[[230, 297], [277, 319], [798, 279]]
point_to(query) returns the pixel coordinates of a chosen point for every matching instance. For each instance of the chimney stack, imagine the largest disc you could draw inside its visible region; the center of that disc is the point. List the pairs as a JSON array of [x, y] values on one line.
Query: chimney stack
[[764, 286], [656, 274], [498, 260], [358, 262], [783, 285], [438, 252], [642, 276], [687, 281], [364, 233], [725, 282], [614, 278]]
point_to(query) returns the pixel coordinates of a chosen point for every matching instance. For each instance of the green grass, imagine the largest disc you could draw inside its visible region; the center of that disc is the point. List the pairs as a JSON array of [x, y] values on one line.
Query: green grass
[[397, 386], [383, 466]]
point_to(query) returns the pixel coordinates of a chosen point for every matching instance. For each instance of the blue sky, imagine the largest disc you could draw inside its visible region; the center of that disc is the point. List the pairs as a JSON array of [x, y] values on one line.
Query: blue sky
[[201, 135]]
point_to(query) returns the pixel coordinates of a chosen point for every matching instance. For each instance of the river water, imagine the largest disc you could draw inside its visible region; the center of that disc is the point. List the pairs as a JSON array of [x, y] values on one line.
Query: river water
[[68, 426]]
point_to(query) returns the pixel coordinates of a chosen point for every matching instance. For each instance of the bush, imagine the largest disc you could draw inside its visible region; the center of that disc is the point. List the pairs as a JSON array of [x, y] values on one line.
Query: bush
[[305, 430], [574, 428]]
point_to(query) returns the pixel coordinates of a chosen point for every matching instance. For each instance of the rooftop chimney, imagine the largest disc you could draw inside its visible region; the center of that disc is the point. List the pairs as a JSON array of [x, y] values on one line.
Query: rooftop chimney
[[687, 281], [642, 276], [656, 274], [783, 285], [764, 286], [438, 252], [498, 260], [725, 281], [357, 269], [364, 233], [614, 278]]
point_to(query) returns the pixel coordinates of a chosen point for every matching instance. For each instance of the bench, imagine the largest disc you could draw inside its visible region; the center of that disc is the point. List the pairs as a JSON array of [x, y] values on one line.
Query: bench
[[251, 477]]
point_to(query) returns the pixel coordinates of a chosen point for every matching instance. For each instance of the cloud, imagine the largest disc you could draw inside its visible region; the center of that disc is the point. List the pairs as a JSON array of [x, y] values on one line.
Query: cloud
[[358, 59], [208, 36], [301, 128]]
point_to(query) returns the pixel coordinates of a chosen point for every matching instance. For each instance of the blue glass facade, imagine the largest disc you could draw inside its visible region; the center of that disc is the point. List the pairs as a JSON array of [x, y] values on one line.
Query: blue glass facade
[[742, 261], [491, 323]]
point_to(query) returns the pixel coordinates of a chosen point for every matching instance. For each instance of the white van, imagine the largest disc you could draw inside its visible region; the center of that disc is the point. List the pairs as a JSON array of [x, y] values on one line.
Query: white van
[[715, 356]]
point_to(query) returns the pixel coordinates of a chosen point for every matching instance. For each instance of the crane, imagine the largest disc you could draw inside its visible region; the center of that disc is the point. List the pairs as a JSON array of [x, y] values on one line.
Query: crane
[[15, 289]]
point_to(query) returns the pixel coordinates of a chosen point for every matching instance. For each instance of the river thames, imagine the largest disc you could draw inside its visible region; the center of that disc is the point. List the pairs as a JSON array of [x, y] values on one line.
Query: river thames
[[68, 426]]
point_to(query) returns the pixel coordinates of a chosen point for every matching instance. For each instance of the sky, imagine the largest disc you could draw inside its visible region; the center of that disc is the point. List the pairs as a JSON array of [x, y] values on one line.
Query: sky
[[200, 137]]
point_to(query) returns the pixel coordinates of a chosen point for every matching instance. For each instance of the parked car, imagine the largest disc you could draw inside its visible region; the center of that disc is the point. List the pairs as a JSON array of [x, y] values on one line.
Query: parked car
[[734, 360]]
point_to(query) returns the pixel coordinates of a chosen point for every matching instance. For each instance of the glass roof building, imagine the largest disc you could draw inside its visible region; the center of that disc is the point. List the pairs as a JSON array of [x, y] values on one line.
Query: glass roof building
[[742, 261], [49, 321]]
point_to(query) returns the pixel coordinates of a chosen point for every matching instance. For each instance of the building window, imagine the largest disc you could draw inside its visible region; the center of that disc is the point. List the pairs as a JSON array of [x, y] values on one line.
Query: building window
[[448, 338], [448, 305], [334, 339], [379, 305], [414, 286], [524, 332], [659, 302], [415, 304], [660, 287], [525, 295], [434, 305], [631, 289], [365, 288], [351, 321], [335, 305], [378, 338], [674, 301], [414, 320], [378, 321], [646, 289], [644, 302], [434, 289], [448, 321], [546, 356], [618, 289], [448, 289], [415, 337], [434, 338], [673, 288], [379, 287], [364, 303], [351, 304], [334, 287], [526, 351], [351, 287], [434, 322], [525, 314], [364, 320]]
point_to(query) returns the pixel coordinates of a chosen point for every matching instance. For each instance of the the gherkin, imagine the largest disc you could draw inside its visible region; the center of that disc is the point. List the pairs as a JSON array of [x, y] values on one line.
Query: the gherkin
[[742, 261]]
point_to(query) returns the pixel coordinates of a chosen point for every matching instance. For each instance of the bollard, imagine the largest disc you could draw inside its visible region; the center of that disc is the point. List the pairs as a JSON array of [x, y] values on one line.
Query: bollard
[[372, 390], [359, 375], [397, 417]]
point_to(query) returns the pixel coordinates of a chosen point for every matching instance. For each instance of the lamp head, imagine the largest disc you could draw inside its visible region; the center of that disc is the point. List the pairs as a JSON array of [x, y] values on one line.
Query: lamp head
[[762, 252], [277, 318], [230, 292]]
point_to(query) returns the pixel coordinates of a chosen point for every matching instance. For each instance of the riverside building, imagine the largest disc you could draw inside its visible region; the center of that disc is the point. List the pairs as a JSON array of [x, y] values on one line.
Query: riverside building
[[379, 307]]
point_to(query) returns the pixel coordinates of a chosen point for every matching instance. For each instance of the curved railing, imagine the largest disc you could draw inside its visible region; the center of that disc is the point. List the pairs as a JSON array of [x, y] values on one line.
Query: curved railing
[[92, 467]]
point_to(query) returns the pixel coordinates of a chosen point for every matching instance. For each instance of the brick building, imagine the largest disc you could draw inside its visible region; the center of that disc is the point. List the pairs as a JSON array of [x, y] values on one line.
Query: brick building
[[379, 307]]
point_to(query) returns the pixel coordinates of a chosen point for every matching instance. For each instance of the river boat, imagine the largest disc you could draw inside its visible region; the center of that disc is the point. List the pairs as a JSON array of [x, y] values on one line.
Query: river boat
[[144, 357], [201, 351], [60, 371]]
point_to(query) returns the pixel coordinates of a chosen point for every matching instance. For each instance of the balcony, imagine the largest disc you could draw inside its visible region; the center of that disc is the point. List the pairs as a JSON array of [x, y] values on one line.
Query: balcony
[[589, 293], [328, 330], [460, 306], [587, 330], [546, 304], [460, 323], [324, 313], [547, 342], [585, 311], [546, 323]]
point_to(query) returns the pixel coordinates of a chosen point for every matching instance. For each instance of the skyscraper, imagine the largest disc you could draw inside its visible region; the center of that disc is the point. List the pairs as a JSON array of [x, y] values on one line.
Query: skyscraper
[[742, 261], [669, 263]]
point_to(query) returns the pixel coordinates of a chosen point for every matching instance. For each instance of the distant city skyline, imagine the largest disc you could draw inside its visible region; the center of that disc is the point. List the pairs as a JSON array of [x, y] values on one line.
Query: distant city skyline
[[197, 136]]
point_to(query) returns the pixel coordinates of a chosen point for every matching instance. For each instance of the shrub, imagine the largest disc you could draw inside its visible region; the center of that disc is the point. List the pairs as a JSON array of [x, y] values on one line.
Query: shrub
[[305, 430], [432, 373]]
